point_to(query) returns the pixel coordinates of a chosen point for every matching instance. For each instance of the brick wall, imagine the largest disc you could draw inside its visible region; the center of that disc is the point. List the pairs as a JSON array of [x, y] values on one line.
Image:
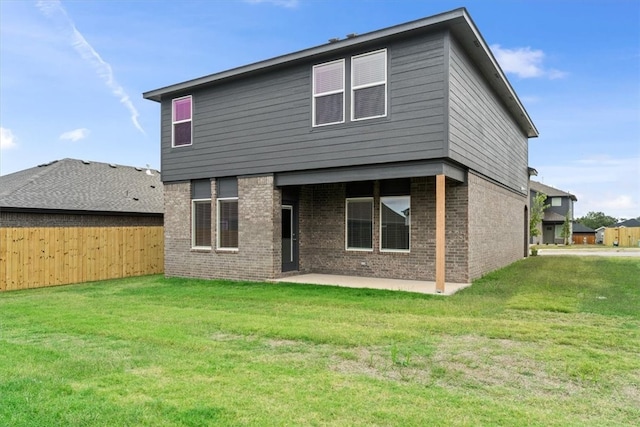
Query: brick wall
[[258, 254], [322, 235], [37, 220], [484, 231], [497, 226]]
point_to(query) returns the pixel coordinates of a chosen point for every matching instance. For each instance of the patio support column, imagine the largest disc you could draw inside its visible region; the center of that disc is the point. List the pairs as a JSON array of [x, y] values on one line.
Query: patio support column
[[440, 233]]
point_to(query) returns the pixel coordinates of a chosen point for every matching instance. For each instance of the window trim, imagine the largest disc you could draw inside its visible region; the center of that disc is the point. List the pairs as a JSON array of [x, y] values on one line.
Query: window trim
[[218, 247], [346, 223], [175, 122], [314, 95], [384, 83], [556, 201], [193, 223], [380, 228]]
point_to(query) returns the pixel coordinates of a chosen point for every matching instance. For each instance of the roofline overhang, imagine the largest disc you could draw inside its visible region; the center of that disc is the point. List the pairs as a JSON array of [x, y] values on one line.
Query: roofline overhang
[[457, 20]]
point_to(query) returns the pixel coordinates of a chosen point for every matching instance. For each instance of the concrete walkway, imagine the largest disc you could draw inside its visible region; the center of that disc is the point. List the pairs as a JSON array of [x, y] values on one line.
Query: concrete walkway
[[423, 287]]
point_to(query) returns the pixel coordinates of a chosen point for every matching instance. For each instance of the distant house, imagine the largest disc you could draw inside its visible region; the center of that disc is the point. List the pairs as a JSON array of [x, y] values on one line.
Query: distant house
[[71, 221], [396, 153], [583, 235], [560, 203], [71, 192]]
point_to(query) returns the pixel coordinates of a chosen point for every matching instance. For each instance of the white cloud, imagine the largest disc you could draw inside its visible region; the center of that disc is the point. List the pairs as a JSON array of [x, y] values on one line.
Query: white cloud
[[75, 135], [282, 3], [7, 139], [524, 62], [54, 10]]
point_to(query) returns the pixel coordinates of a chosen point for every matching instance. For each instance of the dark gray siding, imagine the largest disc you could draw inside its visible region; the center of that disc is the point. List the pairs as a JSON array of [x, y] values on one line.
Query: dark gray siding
[[482, 134], [263, 124]]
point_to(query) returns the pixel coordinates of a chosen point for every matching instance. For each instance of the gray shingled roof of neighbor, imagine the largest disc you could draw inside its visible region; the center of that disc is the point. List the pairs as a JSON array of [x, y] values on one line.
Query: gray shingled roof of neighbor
[[83, 186], [538, 187], [551, 216], [580, 228], [627, 223]]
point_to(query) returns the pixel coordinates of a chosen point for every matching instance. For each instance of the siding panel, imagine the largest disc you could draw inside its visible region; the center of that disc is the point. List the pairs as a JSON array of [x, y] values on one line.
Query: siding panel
[[263, 124], [482, 134]]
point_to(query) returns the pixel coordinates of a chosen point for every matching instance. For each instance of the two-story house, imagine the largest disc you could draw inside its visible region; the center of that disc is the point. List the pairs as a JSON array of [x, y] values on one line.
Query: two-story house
[[558, 204], [400, 153]]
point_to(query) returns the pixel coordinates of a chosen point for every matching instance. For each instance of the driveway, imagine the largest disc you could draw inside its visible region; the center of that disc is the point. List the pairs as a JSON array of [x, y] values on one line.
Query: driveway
[[622, 252]]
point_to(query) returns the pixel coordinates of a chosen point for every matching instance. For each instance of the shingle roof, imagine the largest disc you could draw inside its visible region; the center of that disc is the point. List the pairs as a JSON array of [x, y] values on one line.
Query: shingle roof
[[580, 228], [550, 216], [538, 187], [77, 185], [628, 223]]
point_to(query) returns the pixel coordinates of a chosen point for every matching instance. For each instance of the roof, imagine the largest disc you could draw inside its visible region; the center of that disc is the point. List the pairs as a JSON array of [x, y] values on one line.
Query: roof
[[457, 21], [550, 191], [550, 216], [77, 185], [581, 228], [627, 223]]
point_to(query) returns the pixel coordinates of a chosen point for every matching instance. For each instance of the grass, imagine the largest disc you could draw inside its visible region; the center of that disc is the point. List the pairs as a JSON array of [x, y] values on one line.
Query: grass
[[546, 341]]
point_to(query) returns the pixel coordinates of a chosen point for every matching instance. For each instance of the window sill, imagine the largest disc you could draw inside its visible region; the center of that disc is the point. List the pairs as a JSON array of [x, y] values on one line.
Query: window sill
[[395, 251], [227, 250], [201, 249], [358, 250]]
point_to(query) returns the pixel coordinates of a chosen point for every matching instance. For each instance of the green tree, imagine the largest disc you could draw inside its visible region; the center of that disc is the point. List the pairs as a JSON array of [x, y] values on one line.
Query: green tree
[[596, 220], [537, 211], [566, 229]]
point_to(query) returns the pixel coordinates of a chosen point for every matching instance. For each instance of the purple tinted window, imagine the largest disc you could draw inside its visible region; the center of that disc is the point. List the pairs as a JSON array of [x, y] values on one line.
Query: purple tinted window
[[182, 134], [182, 109]]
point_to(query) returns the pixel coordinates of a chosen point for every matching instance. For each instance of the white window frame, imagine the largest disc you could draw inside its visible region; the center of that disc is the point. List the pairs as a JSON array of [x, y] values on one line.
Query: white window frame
[[317, 95], [379, 83], [193, 223], [556, 201], [175, 122], [382, 198], [346, 223], [218, 247]]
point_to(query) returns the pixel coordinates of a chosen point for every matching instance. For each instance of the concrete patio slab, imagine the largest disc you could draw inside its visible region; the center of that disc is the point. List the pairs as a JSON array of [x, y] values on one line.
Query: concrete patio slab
[[423, 287]]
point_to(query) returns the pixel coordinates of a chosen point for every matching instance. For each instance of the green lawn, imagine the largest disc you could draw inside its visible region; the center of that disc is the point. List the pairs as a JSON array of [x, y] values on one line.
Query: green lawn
[[546, 341]]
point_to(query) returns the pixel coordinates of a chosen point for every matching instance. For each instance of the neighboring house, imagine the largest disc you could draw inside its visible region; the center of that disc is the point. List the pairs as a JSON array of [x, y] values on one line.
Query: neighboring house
[[71, 220], [400, 153], [600, 235], [559, 204], [583, 235]]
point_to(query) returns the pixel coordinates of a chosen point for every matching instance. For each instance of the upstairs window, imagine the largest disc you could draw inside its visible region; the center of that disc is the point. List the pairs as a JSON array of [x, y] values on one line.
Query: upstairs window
[[328, 93], [181, 112], [369, 85], [556, 201]]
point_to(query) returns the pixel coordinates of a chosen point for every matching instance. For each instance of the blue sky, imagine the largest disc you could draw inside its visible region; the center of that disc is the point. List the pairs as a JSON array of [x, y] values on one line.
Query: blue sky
[[72, 74]]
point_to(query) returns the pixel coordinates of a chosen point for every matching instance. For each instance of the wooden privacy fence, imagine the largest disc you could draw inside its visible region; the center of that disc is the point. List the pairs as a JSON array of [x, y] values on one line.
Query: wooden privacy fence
[[38, 257], [625, 236]]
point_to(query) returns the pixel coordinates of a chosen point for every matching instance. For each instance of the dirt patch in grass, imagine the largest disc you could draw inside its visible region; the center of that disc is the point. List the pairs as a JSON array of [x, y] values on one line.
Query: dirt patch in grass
[[382, 363], [484, 362]]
